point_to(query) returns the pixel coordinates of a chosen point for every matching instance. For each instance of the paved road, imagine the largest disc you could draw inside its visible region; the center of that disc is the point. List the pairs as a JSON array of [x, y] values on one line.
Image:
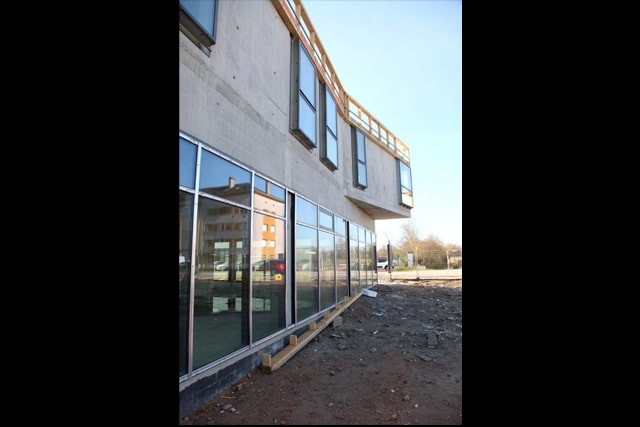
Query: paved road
[[383, 276]]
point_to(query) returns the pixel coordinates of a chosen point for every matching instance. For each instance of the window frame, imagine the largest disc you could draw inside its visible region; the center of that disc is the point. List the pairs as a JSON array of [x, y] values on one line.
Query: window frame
[[298, 54], [328, 135], [195, 30], [402, 186], [357, 162]]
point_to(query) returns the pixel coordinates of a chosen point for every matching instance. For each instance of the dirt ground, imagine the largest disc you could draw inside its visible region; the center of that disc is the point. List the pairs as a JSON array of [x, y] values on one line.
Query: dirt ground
[[396, 359]]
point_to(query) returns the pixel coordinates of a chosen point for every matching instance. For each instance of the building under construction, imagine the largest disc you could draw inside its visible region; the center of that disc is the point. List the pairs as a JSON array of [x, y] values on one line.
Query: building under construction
[[282, 176]]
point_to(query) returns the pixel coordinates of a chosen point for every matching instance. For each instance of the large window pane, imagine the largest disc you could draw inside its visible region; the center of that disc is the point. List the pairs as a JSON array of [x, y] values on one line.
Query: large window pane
[[185, 229], [187, 159], [341, 226], [307, 76], [332, 149], [304, 105], [362, 175], [406, 188], [307, 120], [222, 178], [306, 253], [268, 265], [405, 175], [407, 198], [362, 257], [331, 112], [354, 259], [202, 11], [306, 211], [269, 197], [220, 324], [361, 146], [342, 269], [360, 163], [326, 219], [326, 268]]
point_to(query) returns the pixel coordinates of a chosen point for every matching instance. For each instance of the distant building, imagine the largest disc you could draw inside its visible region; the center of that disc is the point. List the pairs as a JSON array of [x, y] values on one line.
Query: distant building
[[282, 176]]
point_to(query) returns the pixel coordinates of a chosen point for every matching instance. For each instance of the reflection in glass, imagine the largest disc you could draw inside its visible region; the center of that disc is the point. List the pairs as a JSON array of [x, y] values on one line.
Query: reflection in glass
[[268, 272], [306, 212], [354, 257], [306, 257], [361, 159], [342, 270], [332, 149], [341, 226], [222, 178], [406, 191], [362, 255], [307, 120], [369, 252], [405, 175], [202, 12], [221, 309], [326, 219], [326, 266], [185, 223], [268, 197], [187, 159], [307, 76], [331, 112]]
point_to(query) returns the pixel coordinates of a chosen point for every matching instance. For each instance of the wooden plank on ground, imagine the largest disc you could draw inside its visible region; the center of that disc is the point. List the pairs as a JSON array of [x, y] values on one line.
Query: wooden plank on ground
[[271, 363]]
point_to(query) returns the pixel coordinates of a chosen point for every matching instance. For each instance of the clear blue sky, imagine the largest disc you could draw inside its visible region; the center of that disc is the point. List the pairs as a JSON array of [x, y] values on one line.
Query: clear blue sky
[[402, 61]]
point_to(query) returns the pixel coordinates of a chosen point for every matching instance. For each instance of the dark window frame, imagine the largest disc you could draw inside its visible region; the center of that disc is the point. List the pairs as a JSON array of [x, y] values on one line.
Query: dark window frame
[[359, 159], [402, 186], [195, 30], [328, 135], [298, 54]]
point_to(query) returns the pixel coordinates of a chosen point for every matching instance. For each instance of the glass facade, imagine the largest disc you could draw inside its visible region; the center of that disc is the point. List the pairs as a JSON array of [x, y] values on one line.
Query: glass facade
[[237, 286]]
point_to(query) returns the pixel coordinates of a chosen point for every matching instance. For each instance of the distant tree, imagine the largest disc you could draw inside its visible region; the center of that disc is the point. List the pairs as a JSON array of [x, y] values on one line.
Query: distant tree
[[408, 241], [431, 252]]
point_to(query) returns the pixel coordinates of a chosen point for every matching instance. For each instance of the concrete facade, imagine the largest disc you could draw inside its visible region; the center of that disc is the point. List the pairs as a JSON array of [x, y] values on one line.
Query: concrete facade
[[236, 99]]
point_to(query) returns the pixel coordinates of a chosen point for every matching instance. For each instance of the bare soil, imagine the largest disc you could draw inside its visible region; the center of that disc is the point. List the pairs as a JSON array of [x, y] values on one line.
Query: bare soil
[[395, 359]]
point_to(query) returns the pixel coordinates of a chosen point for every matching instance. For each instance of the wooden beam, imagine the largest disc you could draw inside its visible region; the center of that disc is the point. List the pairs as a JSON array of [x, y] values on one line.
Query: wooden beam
[[270, 364]]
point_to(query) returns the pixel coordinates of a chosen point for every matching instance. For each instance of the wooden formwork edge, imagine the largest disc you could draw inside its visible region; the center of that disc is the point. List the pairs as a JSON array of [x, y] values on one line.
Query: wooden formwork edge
[[270, 364]]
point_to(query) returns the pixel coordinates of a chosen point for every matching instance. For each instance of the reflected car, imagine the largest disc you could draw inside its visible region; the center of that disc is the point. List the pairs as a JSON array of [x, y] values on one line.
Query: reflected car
[[224, 266], [272, 266]]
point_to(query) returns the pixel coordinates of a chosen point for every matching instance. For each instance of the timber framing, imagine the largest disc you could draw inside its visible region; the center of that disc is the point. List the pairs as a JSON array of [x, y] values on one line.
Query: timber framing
[[270, 364]]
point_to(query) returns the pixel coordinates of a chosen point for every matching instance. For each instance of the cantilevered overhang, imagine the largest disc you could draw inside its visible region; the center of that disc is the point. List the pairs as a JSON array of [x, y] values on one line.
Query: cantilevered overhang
[[378, 212]]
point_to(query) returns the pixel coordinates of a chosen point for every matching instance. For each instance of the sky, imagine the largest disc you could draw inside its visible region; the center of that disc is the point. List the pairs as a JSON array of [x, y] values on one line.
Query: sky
[[402, 61]]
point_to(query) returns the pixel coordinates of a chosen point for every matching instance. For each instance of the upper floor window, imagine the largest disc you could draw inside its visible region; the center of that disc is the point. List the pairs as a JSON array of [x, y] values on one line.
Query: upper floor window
[[406, 189], [359, 158], [328, 135], [303, 95], [198, 21]]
